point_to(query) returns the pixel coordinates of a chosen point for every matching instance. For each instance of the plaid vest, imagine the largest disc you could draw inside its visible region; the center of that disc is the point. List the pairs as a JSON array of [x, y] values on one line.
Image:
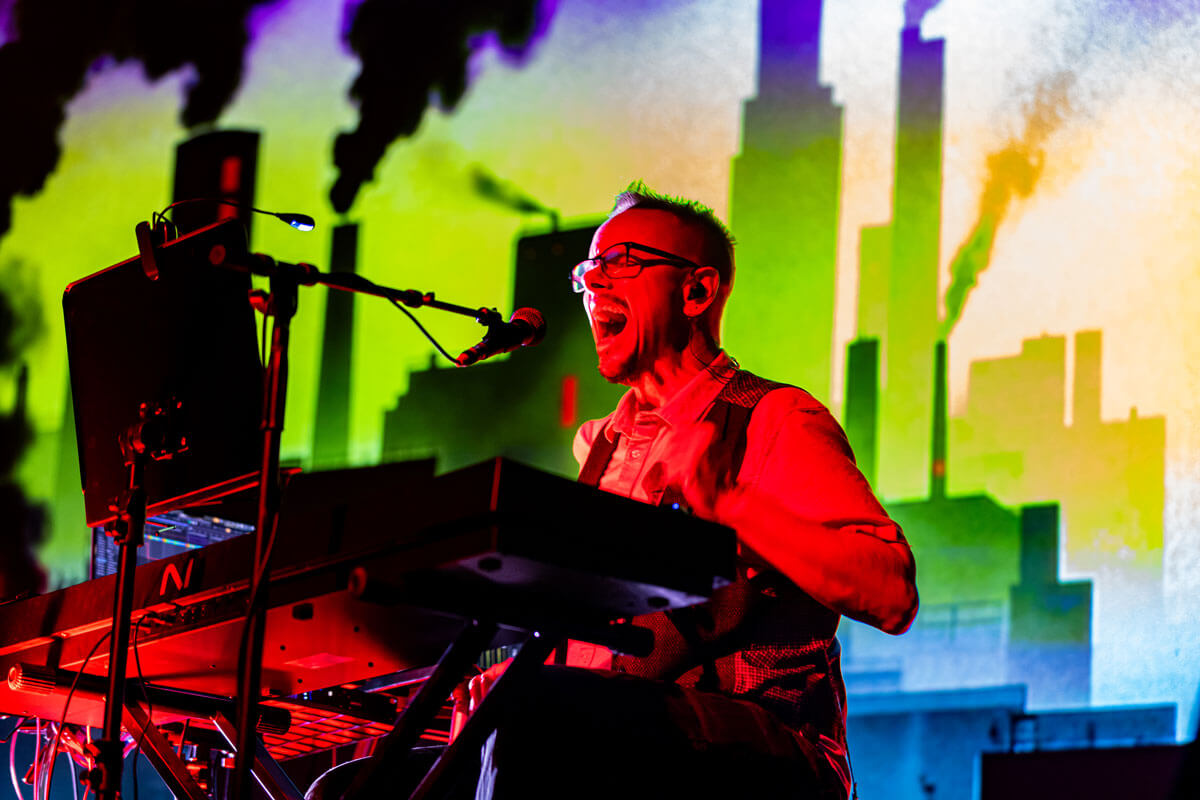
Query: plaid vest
[[760, 639]]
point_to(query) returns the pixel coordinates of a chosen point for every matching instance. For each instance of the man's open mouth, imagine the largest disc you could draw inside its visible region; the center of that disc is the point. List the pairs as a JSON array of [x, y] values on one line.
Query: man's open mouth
[[608, 322]]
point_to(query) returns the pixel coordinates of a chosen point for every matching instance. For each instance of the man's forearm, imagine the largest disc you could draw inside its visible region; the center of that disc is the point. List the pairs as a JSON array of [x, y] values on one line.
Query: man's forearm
[[863, 571]]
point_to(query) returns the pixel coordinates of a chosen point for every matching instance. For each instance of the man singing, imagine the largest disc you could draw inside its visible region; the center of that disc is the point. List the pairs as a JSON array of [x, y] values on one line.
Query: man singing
[[743, 695]]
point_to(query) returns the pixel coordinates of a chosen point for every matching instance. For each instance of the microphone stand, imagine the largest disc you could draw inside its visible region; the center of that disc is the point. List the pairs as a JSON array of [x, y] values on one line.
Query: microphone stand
[[155, 436], [281, 307], [285, 280]]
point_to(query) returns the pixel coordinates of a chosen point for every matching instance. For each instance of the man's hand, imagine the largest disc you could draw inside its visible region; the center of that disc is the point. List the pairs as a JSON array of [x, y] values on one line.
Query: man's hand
[[481, 684], [469, 694], [710, 488]]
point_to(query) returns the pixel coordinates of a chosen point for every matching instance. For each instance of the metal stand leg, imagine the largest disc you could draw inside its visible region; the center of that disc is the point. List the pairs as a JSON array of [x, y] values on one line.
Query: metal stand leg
[[161, 755], [448, 767], [155, 437], [381, 770], [105, 776], [283, 300], [265, 769]]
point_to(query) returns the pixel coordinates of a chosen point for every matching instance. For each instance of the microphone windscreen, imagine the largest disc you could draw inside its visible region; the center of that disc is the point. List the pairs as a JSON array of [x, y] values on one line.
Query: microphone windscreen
[[533, 318]]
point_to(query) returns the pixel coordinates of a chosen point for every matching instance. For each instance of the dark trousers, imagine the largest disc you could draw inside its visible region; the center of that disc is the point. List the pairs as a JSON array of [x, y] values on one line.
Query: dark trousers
[[575, 733], [584, 734]]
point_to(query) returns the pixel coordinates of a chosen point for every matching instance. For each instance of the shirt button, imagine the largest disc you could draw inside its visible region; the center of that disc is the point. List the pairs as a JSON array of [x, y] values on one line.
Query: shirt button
[[635, 453]]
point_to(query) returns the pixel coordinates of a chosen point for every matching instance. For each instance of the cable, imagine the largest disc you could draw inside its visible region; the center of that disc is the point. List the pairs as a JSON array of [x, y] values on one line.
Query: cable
[[74, 778], [72, 746], [46, 761], [87, 787], [37, 755], [67, 703], [19, 722], [262, 346], [40, 778], [137, 660], [421, 328], [50, 755], [12, 764]]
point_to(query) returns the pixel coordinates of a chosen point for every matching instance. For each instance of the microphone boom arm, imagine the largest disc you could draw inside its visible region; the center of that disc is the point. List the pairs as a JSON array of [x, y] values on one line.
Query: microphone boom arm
[[308, 275]]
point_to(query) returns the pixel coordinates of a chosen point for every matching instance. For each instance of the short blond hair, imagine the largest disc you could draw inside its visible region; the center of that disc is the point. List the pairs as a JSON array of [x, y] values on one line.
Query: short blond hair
[[718, 241]]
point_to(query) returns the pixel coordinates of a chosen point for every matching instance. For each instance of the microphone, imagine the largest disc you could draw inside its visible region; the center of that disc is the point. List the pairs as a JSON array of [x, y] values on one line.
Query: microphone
[[525, 329]]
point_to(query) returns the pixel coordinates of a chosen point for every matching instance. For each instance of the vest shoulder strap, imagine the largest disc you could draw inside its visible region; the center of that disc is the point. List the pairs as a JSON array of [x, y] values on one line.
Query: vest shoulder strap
[[745, 389], [598, 457]]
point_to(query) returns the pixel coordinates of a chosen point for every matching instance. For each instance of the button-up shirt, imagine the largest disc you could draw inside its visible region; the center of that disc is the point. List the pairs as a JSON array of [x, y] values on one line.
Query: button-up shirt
[[785, 659], [795, 451]]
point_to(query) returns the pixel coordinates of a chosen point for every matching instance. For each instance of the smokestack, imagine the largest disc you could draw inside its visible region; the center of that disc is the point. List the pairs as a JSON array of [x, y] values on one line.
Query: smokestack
[[915, 11], [489, 187], [862, 403], [790, 40], [331, 429], [219, 164], [937, 464]]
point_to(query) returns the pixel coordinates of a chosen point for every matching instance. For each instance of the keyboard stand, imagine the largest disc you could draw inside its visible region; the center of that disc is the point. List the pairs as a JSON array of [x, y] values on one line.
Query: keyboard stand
[[390, 750]]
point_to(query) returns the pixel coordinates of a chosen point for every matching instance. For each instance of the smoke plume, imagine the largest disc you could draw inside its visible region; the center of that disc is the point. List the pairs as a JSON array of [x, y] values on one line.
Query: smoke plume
[[1012, 172], [504, 193], [24, 528], [55, 42], [414, 52]]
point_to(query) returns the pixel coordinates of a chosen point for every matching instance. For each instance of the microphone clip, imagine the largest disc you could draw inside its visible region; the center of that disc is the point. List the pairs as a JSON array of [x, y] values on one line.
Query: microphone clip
[[150, 237], [526, 328], [489, 318]]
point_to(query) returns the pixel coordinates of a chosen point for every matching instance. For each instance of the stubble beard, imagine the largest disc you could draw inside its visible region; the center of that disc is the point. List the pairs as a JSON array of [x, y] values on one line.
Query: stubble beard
[[620, 368], [621, 372]]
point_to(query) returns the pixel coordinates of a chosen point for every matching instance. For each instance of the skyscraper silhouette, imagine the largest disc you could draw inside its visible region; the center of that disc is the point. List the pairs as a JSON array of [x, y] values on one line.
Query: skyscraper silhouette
[[784, 205], [874, 275], [912, 290]]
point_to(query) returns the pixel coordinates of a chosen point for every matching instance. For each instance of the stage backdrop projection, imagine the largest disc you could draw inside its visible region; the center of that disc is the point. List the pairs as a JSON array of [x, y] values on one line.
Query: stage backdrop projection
[[968, 227]]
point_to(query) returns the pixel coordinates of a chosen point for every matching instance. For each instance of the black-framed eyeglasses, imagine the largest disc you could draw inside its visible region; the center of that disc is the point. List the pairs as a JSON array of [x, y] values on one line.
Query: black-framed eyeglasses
[[626, 260]]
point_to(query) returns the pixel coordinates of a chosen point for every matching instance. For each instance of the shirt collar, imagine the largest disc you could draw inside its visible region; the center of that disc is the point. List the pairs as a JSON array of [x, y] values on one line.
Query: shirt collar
[[689, 404]]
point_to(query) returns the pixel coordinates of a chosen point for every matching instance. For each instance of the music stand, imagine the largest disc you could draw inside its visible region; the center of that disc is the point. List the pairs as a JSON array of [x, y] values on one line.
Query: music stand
[[167, 390], [188, 336]]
